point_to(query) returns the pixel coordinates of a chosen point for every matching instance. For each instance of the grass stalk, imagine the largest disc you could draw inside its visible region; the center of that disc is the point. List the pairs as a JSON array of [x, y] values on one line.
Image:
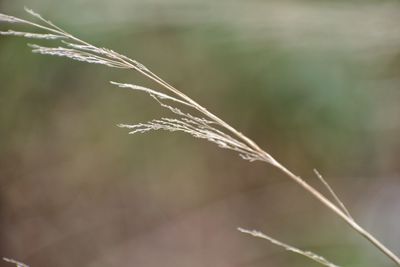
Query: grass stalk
[[208, 126]]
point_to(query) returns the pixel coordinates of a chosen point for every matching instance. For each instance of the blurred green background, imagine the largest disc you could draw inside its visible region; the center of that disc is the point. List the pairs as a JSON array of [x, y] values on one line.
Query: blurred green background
[[315, 83]]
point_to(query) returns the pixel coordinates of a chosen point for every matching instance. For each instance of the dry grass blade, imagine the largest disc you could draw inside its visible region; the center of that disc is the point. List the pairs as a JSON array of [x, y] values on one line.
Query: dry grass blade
[[75, 55], [337, 199], [150, 92], [9, 19], [46, 36], [308, 254], [196, 126], [17, 263], [206, 126]]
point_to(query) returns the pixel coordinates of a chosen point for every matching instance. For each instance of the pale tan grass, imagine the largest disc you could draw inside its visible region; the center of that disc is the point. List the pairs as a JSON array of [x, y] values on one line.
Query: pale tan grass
[[198, 121]]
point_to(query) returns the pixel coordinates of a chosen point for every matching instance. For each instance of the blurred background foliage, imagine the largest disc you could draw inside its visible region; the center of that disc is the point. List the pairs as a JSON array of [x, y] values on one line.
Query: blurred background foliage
[[313, 82]]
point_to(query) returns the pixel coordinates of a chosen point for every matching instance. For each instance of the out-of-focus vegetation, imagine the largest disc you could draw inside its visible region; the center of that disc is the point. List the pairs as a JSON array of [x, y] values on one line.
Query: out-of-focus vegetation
[[313, 82]]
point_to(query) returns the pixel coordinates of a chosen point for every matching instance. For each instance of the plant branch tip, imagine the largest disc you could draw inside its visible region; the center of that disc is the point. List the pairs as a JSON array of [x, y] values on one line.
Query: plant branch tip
[[333, 194], [17, 263], [308, 254]]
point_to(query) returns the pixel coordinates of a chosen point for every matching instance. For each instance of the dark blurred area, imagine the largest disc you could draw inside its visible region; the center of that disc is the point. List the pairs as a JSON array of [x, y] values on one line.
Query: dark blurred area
[[315, 83]]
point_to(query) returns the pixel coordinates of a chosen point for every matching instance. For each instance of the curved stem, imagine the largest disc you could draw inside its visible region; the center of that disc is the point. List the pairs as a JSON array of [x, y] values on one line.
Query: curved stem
[[269, 159], [129, 63], [321, 198]]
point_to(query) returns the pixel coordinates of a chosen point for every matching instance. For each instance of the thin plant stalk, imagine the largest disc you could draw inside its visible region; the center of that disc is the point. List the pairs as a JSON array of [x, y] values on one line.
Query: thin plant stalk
[[209, 127], [16, 263], [307, 254]]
